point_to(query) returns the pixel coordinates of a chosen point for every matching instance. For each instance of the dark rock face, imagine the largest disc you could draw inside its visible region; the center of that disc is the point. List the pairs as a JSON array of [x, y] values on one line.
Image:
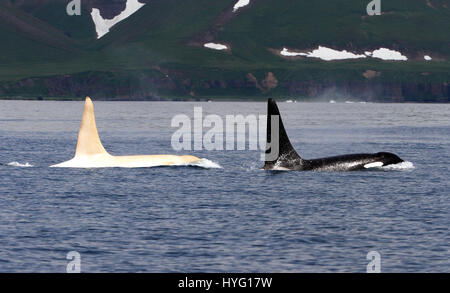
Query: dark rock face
[[372, 91], [152, 85], [211, 33]]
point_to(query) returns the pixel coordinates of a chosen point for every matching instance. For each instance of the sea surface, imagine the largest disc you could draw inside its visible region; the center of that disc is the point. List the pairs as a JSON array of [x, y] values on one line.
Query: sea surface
[[236, 218]]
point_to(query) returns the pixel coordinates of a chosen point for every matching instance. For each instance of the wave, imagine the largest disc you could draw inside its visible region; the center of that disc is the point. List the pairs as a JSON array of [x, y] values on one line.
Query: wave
[[204, 163], [400, 166], [17, 164]]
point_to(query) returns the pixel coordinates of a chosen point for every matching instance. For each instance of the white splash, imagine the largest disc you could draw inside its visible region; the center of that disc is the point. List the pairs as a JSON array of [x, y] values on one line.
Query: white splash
[[427, 58], [324, 53], [102, 26], [205, 163], [240, 4], [387, 54], [279, 168], [215, 46], [17, 164], [400, 166]]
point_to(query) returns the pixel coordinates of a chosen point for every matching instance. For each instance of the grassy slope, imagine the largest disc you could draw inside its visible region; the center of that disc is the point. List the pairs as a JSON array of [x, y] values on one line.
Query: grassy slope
[[79, 28], [407, 25], [35, 45], [157, 35]]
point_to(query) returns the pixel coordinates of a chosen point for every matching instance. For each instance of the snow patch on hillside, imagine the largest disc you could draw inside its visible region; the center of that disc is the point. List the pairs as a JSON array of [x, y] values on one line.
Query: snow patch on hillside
[[215, 46], [323, 53], [287, 53], [240, 4], [328, 54], [102, 26], [387, 54]]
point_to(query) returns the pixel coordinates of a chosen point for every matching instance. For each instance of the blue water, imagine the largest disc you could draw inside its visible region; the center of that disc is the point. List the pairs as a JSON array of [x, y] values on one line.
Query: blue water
[[233, 219]]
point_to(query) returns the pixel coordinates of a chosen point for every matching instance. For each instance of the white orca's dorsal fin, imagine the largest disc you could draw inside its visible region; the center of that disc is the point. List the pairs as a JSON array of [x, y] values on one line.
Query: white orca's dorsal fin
[[88, 140]]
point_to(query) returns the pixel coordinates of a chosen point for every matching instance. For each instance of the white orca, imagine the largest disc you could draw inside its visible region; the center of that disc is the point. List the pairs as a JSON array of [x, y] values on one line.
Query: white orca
[[286, 158], [90, 152]]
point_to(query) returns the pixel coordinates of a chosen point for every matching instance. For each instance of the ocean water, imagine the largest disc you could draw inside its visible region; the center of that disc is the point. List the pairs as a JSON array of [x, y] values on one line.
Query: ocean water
[[236, 218]]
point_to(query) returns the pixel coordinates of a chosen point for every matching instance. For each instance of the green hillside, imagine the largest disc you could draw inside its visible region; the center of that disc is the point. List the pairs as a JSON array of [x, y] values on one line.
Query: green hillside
[[158, 52], [410, 26]]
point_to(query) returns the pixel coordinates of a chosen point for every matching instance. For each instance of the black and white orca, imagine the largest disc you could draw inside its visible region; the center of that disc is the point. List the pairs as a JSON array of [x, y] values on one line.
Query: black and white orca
[[280, 155]]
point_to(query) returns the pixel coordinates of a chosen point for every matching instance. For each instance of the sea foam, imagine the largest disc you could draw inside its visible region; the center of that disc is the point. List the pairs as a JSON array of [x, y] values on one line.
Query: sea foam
[[204, 163], [400, 166], [17, 164]]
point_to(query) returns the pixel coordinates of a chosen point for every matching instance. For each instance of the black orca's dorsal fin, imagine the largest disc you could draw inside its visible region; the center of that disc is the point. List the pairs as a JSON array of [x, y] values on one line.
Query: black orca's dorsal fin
[[286, 155]]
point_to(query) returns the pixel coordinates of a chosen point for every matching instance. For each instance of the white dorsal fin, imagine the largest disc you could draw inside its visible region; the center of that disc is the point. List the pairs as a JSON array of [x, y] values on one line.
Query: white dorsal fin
[[88, 140]]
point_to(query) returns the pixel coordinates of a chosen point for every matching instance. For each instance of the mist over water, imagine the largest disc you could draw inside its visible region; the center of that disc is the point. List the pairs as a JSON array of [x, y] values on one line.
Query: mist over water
[[235, 218]]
